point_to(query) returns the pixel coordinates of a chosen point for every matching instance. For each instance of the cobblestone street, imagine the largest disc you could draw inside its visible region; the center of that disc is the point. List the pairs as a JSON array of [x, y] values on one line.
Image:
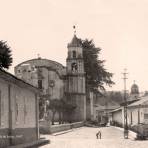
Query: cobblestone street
[[85, 137]]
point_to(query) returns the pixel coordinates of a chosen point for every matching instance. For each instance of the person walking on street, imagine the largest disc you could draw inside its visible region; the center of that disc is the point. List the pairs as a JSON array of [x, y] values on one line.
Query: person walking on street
[[98, 135]]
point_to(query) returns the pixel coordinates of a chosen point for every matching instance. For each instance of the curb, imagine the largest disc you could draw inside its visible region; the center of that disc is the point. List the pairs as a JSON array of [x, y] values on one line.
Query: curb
[[64, 132]]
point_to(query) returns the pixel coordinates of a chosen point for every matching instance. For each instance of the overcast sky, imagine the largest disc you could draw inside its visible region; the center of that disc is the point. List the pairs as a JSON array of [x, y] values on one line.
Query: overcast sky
[[119, 27]]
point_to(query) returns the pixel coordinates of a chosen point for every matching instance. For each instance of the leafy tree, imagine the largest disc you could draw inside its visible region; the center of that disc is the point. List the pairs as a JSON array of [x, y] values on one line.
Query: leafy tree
[[68, 109], [115, 96], [54, 106], [5, 55], [60, 107], [63, 108], [96, 74]]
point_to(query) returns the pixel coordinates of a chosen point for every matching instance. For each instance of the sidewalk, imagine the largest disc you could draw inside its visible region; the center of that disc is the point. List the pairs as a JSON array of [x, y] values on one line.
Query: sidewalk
[[132, 135], [40, 142]]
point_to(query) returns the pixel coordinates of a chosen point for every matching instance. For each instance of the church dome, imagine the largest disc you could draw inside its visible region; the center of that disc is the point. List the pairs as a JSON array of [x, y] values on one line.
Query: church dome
[[134, 89], [76, 42]]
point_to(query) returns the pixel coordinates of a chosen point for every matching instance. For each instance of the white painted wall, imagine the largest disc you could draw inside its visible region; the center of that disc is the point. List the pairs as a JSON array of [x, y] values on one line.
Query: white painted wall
[[22, 106], [117, 116]]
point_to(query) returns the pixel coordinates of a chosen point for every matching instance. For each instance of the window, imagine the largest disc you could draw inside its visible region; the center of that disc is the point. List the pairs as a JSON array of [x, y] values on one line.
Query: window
[[40, 84], [145, 116], [74, 54], [33, 68], [74, 66]]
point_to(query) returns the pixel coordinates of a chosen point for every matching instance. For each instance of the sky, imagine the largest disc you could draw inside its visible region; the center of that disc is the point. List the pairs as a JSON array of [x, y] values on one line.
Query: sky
[[45, 27]]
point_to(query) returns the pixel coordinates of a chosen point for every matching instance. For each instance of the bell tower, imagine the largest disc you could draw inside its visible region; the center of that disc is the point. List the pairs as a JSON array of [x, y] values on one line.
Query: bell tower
[[75, 89]]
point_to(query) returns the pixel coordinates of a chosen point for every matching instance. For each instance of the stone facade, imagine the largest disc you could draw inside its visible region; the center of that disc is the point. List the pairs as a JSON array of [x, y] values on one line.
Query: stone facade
[[57, 81], [45, 74], [75, 86], [18, 111]]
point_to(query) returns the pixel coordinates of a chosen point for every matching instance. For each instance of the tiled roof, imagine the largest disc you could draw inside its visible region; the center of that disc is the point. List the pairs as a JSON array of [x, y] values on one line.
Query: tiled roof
[[13, 79], [140, 102]]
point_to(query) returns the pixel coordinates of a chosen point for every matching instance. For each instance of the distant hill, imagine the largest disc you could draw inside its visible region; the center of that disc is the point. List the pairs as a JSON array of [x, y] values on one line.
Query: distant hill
[[110, 99]]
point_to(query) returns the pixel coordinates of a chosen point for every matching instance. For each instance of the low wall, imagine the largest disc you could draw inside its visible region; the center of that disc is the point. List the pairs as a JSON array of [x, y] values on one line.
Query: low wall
[[64, 127], [46, 128], [77, 124], [59, 128]]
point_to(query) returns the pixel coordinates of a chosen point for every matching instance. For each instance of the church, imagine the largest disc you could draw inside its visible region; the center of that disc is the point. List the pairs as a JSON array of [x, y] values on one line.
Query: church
[[56, 81]]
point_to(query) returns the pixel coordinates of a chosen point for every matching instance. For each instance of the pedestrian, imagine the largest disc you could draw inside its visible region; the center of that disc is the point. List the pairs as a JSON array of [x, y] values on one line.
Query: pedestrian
[[98, 135]]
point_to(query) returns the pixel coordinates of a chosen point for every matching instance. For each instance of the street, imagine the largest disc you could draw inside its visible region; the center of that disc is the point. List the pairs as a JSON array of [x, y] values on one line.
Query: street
[[85, 137]]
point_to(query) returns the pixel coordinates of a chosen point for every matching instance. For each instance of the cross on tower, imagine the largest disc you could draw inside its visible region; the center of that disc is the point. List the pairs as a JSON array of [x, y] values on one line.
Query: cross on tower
[[74, 27]]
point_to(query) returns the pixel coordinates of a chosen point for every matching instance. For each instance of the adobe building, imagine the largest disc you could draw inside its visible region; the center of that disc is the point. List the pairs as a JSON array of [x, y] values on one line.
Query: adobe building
[[137, 111], [57, 81], [18, 111]]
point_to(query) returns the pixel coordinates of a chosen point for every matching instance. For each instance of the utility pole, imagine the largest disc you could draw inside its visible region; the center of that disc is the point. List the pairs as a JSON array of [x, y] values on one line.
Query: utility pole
[[125, 105]]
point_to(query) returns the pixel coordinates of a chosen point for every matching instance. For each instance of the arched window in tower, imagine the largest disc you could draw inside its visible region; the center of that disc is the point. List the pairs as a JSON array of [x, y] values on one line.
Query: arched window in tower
[[74, 66], [74, 54]]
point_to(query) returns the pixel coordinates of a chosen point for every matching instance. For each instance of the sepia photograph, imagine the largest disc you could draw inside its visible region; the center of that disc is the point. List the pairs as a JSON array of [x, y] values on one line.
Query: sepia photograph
[[73, 73]]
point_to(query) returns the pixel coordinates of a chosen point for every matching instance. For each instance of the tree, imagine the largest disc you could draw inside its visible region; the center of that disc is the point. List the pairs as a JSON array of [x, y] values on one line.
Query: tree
[[5, 55], [53, 106], [63, 108], [68, 109], [115, 96], [96, 74], [60, 107]]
